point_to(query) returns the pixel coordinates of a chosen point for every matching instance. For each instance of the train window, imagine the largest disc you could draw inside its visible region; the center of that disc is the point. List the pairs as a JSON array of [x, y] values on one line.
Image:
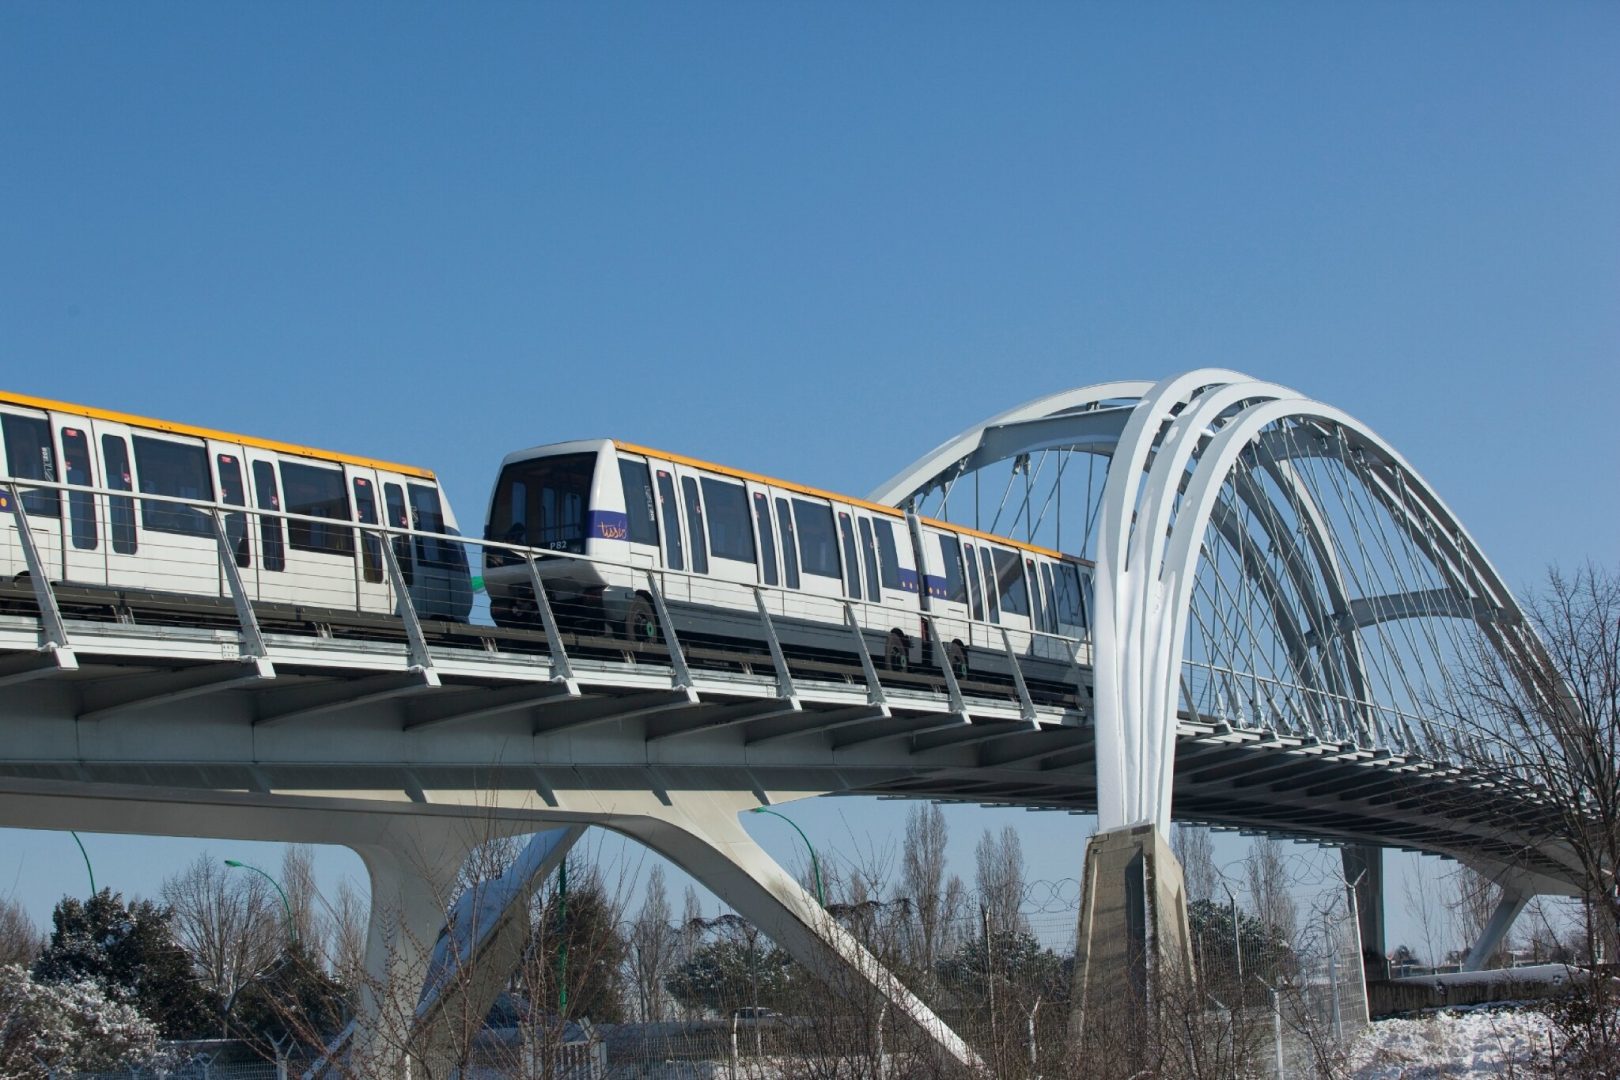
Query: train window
[[694, 525], [178, 470], [81, 504], [541, 502], [638, 502], [1037, 612], [398, 518], [365, 505], [672, 521], [888, 555], [1010, 587], [317, 493], [28, 451], [767, 538], [120, 508], [730, 534], [973, 577], [427, 515], [1070, 611], [270, 538], [852, 569], [818, 544], [869, 553], [950, 553], [991, 593], [790, 545], [1051, 602], [232, 492]]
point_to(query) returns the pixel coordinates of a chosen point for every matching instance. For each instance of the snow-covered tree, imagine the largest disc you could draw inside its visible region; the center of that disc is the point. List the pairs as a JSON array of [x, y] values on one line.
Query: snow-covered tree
[[52, 1028]]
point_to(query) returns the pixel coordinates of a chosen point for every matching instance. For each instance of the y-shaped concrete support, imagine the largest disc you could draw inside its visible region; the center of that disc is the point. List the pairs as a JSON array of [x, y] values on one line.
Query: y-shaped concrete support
[[1514, 899], [413, 875], [704, 838], [1364, 869], [481, 946]]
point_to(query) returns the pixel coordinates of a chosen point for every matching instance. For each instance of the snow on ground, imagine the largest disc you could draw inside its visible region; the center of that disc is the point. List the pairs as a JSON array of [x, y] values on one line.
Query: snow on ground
[[1476, 1044]]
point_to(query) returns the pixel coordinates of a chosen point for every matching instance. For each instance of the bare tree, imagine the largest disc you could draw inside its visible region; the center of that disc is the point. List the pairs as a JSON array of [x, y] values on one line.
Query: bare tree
[[298, 882], [923, 869], [1196, 851], [1000, 880], [653, 942], [1541, 712], [347, 949], [20, 939], [1266, 873], [225, 921]]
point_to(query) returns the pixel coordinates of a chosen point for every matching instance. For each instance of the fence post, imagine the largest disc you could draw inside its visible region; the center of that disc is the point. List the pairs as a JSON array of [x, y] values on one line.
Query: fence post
[[1276, 1028], [734, 1044]]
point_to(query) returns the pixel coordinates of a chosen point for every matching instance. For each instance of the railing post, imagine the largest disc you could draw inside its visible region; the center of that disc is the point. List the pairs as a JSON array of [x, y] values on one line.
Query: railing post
[[50, 613], [784, 678], [874, 689], [1026, 706], [416, 641], [681, 676], [942, 653], [561, 670], [253, 648]]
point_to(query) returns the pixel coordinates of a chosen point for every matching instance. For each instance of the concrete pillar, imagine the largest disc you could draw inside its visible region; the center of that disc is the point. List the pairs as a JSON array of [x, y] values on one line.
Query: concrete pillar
[[413, 876], [1133, 930], [1364, 868]]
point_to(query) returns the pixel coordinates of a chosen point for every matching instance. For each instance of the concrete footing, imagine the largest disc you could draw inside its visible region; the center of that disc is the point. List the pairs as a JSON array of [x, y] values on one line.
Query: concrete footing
[[1133, 922]]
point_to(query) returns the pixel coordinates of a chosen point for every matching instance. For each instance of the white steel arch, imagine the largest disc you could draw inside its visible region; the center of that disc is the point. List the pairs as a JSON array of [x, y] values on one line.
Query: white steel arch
[[1338, 562]]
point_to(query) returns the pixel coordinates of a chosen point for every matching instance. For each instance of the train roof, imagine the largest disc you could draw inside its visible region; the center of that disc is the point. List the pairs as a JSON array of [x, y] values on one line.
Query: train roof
[[30, 402], [804, 489]]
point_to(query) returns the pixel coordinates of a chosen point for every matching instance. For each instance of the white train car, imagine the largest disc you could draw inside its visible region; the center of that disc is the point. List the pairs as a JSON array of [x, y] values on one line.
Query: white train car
[[305, 548], [629, 510]]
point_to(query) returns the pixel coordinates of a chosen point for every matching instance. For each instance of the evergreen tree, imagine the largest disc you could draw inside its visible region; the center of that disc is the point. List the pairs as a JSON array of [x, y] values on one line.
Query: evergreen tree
[[576, 943], [292, 999], [129, 951]]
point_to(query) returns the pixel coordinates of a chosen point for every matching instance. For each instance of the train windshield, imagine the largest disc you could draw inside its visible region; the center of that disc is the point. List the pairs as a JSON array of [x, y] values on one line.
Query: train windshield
[[542, 502]]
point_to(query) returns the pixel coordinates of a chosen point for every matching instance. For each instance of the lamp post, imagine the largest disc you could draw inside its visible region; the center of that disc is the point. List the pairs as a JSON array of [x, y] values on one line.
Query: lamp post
[[815, 865], [292, 927], [87, 868]]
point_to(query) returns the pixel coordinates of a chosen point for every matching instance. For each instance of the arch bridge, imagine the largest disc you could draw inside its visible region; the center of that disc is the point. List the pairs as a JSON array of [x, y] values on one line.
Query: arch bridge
[[1278, 608]]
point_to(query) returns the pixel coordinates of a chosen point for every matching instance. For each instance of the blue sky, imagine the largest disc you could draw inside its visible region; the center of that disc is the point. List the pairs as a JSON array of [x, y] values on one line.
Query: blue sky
[[813, 240]]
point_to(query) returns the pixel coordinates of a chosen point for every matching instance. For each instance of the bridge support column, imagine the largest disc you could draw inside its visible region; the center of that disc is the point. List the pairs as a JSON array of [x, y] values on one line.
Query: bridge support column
[[1133, 935], [1514, 899], [1364, 870], [706, 840], [413, 875]]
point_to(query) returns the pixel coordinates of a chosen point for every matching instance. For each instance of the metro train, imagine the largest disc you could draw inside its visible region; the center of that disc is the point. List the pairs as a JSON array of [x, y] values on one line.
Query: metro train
[[299, 541], [631, 510]]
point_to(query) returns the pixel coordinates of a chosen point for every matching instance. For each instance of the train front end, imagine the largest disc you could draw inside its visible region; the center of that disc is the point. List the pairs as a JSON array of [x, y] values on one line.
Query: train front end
[[564, 503]]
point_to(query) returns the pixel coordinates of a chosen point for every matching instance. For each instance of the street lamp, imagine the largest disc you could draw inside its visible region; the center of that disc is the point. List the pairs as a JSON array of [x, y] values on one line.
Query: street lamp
[[821, 896], [87, 866], [292, 928]]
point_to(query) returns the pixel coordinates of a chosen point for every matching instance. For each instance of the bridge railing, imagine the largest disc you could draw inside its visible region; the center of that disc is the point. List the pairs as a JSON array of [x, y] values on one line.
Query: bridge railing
[[116, 555]]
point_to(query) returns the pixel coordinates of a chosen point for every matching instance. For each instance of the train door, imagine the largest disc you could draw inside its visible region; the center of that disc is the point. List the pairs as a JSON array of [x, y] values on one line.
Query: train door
[[373, 587], [671, 530], [765, 540], [83, 549], [30, 454], [231, 480], [641, 518], [733, 555], [1012, 595], [948, 597], [321, 565], [178, 549], [820, 569], [121, 539], [267, 532]]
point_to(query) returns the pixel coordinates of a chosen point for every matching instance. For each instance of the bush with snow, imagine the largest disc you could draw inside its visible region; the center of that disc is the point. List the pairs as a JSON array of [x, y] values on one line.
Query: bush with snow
[[1469, 1046], [67, 1027]]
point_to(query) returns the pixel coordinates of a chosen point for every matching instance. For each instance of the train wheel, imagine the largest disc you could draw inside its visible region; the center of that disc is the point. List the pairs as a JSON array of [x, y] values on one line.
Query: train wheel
[[896, 655], [956, 656], [640, 625]]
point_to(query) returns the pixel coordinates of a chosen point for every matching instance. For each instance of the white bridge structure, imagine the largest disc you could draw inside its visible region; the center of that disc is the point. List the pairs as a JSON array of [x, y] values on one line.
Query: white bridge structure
[[1278, 602]]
